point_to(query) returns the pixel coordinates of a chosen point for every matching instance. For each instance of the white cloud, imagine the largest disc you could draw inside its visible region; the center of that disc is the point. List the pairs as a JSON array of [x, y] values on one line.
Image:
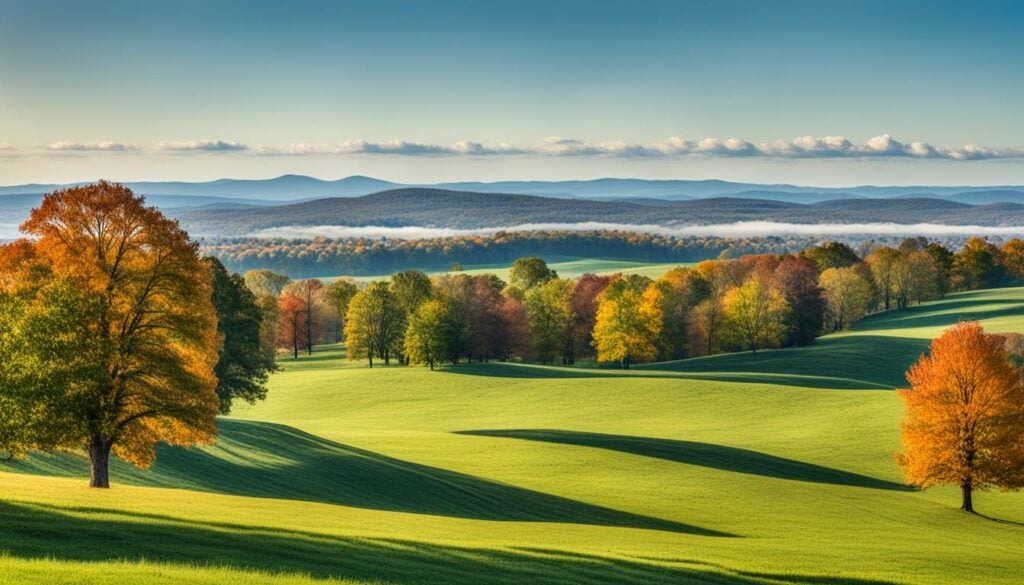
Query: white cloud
[[202, 146], [105, 145], [883, 146]]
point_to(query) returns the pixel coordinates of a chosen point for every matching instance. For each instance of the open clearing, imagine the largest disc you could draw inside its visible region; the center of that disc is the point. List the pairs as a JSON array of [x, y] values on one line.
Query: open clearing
[[775, 467]]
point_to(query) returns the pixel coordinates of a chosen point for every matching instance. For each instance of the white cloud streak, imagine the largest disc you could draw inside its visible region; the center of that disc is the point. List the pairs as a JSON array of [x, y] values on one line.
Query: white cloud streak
[[737, 229], [804, 147], [202, 146], [102, 146]]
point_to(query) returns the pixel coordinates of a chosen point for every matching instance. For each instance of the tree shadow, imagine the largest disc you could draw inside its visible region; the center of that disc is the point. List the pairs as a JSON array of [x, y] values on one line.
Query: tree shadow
[[276, 461], [679, 370], [89, 535], [704, 454], [856, 360], [1000, 520], [852, 361], [942, 314]]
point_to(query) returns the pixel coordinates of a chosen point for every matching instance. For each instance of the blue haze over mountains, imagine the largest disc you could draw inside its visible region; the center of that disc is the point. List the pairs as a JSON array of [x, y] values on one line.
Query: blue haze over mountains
[[234, 193]]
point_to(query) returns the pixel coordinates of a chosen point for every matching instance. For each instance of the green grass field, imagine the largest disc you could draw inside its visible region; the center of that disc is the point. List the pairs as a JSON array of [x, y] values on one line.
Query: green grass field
[[567, 267], [774, 468]]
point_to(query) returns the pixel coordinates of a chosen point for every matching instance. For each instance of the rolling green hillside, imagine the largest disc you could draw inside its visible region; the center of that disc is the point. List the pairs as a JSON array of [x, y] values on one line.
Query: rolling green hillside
[[775, 467]]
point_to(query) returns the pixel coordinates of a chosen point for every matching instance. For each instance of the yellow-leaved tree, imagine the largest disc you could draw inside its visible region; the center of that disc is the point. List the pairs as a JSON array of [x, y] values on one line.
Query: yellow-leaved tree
[[755, 315], [628, 321]]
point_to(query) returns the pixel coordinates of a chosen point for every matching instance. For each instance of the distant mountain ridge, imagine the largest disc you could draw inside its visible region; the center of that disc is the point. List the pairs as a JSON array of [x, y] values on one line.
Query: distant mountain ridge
[[440, 208], [301, 187]]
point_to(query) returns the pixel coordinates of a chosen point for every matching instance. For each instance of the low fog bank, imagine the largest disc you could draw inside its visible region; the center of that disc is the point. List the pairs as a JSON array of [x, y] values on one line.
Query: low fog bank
[[742, 229]]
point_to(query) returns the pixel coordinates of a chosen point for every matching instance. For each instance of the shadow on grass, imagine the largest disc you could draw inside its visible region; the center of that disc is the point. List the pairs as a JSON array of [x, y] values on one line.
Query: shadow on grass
[[943, 314], [858, 360], [276, 461], [843, 361], [1000, 520], [663, 371], [704, 454], [35, 531], [850, 362]]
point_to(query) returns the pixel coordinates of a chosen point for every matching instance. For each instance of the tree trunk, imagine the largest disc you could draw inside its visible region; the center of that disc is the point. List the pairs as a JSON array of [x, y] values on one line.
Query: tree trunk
[[99, 462], [295, 349], [309, 330], [966, 489]]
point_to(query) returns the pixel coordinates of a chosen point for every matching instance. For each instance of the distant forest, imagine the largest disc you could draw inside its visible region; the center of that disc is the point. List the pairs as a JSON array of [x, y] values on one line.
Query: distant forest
[[322, 257]]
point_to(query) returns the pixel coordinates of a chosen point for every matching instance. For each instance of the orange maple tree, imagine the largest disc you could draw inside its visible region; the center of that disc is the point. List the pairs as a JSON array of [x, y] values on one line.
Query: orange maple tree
[[964, 422], [152, 332]]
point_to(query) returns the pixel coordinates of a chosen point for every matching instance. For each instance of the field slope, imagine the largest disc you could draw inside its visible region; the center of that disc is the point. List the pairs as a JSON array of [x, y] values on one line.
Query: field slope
[[736, 469]]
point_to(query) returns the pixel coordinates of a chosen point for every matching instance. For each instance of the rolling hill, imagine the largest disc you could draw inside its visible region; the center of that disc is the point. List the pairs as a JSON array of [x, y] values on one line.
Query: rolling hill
[[442, 208], [772, 468]]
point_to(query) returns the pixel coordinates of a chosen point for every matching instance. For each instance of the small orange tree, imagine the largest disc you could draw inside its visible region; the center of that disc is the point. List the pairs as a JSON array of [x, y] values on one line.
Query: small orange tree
[[964, 422], [148, 327]]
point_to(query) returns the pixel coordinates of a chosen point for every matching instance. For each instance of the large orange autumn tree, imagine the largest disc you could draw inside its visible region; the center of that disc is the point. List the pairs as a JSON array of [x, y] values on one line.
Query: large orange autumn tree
[[964, 422], [147, 324]]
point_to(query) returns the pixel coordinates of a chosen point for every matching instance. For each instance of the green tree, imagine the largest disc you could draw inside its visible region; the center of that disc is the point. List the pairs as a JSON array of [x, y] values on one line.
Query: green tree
[[48, 359], [832, 255], [244, 364], [550, 312], [530, 271], [433, 334], [943, 258], [374, 324], [410, 288]]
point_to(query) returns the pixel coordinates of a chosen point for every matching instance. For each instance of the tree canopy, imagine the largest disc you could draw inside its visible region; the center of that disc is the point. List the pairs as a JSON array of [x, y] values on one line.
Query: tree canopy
[[964, 415], [143, 316]]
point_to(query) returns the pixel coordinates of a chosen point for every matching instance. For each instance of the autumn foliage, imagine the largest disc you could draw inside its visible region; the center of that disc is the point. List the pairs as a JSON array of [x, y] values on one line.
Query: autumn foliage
[[143, 318], [964, 415]]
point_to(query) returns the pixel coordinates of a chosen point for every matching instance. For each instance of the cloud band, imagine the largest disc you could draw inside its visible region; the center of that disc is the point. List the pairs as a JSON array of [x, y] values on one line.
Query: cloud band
[[805, 147]]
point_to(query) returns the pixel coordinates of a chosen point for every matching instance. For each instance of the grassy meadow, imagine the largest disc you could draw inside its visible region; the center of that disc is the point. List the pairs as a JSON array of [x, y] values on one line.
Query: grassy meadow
[[566, 266], [767, 468]]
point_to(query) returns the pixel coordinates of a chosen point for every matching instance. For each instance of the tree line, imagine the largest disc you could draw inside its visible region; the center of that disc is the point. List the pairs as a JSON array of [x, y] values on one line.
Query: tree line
[[366, 256], [303, 258], [750, 303]]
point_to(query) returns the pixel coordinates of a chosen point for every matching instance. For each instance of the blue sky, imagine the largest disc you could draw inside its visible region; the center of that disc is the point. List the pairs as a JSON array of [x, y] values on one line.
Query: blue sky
[[448, 90]]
